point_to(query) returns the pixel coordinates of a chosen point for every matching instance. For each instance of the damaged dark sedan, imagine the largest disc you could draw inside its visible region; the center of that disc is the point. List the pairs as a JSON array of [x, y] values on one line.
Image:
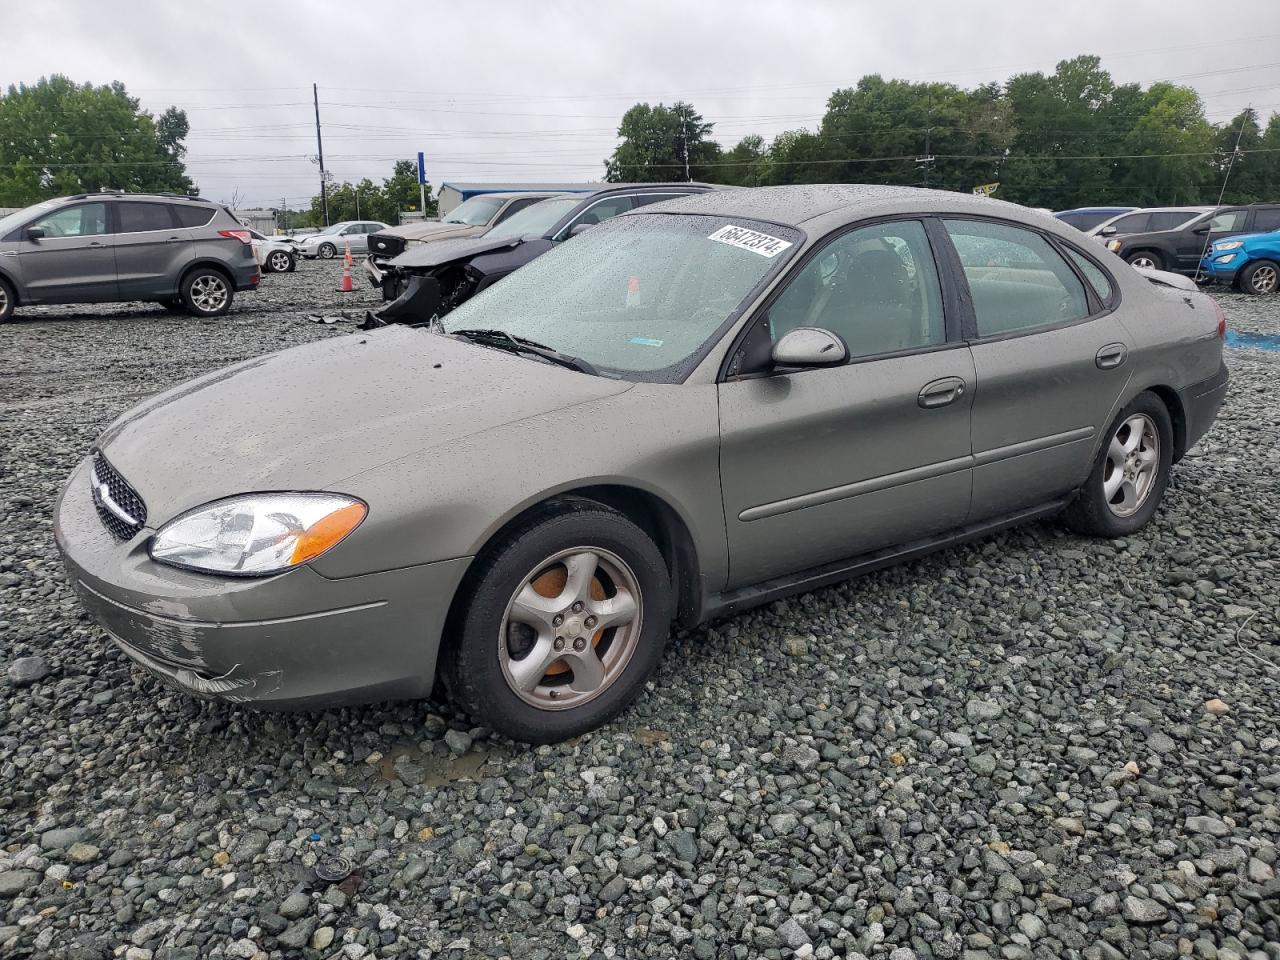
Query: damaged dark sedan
[[430, 280]]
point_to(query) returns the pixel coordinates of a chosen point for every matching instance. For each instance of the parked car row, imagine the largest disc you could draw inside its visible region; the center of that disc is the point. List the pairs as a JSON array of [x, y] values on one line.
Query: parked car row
[[1235, 245]]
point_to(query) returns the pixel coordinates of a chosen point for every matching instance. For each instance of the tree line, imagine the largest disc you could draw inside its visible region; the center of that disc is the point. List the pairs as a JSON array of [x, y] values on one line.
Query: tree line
[[1071, 138]]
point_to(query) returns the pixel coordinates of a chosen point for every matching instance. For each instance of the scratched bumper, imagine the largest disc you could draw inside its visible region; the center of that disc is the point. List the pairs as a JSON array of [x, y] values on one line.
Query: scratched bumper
[[297, 639]]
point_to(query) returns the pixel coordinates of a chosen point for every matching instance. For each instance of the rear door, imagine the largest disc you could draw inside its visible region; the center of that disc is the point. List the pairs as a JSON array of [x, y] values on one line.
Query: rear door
[[152, 249], [74, 261], [1050, 358], [821, 465]]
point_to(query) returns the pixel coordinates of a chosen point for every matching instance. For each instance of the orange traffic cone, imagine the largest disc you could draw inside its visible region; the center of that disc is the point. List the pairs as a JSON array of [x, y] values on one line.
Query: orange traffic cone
[[346, 272]]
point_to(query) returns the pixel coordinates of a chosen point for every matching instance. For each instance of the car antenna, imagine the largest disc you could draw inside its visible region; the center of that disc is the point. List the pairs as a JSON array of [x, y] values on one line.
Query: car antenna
[[1208, 235]]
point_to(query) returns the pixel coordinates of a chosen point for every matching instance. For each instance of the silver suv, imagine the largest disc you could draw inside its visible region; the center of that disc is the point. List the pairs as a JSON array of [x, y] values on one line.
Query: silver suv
[[187, 254]]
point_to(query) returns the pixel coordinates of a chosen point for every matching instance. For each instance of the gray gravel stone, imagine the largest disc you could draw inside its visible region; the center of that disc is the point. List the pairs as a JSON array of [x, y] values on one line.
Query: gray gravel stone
[[28, 670], [14, 882]]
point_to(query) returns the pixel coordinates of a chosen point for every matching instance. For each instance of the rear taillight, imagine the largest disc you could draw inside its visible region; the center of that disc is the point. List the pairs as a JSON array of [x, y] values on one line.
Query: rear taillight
[[244, 236], [1222, 319]]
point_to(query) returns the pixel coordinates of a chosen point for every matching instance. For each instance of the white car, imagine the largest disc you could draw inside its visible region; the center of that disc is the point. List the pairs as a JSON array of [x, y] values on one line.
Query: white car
[[333, 240], [1145, 220], [275, 255]]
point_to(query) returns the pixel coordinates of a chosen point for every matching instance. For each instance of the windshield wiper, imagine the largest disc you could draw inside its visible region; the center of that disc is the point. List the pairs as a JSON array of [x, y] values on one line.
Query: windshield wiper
[[506, 341]]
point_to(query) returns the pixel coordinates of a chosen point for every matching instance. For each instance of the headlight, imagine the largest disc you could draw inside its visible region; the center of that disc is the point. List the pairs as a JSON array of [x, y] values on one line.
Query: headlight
[[1228, 245], [1227, 259], [1113, 245], [257, 534]]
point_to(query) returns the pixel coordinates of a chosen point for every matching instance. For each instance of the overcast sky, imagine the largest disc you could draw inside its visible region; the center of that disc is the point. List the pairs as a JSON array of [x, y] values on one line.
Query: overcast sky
[[533, 91]]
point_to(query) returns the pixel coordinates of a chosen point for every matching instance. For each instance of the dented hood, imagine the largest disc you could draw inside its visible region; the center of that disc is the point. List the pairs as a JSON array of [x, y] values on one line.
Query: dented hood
[[309, 417], [431, 255]]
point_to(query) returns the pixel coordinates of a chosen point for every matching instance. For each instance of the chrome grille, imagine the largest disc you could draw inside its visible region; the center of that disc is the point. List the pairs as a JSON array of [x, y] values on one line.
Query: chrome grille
[[119, 506]]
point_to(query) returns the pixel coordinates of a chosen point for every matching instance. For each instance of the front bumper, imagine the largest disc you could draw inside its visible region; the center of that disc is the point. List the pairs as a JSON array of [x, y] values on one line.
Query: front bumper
[[1222, 271], [297, 639], [373, 270]]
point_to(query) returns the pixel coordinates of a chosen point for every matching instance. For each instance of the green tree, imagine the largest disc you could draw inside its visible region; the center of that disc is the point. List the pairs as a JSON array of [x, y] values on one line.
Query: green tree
[[657, 142], [58, 137], [744, 165], [401, 190]]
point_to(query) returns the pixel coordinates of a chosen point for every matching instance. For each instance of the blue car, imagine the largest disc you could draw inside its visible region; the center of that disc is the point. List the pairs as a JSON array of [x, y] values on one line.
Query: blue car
[[1250, 263]]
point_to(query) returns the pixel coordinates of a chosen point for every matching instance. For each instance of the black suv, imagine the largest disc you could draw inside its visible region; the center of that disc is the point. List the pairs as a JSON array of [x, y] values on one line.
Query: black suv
[[431, 279], [1180, 250], [186, 253]]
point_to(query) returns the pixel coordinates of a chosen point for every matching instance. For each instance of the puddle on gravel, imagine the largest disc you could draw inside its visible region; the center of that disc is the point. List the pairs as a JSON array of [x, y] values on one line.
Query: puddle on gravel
[[415, 768], [1256, 341]]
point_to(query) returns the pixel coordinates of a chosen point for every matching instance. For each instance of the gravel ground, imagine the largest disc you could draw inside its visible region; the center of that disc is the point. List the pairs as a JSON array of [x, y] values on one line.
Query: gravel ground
[[1034, 746]]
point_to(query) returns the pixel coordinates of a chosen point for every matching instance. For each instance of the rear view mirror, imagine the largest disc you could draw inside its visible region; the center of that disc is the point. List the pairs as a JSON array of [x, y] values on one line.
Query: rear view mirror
[[35, 233], [810, 347], [580, 228]]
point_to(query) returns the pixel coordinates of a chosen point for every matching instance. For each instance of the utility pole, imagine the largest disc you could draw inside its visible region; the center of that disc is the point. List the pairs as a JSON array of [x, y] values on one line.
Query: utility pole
[[928, 139], [684, 142], [357, 201], [284, 213], [324, 187]]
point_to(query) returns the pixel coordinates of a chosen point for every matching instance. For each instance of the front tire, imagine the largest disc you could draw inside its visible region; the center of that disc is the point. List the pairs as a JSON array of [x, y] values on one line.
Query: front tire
[[1130, 475], [1260, 277], [327, 251], [207, 293], [7, 301], [1146, 260], [565, 619]]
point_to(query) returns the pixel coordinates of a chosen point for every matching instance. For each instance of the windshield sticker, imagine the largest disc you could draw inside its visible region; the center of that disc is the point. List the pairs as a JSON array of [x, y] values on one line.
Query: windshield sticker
[[760, 243], [647, 341]]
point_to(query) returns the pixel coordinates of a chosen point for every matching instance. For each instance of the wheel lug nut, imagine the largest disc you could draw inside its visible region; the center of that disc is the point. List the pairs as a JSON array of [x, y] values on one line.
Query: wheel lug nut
[[579, 644], [559, 644], [591, 622], [557, 619], [577, 606]]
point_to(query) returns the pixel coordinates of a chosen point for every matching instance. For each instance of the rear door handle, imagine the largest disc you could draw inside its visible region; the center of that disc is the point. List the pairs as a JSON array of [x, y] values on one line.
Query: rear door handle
[[939, 393], [1111, 356], [174, 240]]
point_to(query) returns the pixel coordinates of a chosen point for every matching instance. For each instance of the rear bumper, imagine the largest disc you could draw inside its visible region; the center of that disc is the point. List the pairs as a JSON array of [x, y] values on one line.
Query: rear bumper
[[297, 639], [1201, 403]]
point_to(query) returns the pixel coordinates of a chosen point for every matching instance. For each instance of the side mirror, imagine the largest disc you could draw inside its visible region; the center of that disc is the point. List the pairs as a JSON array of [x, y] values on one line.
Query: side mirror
[[810, 347], [580, 228], [1201, 230], [35, 233], [1108, 231]]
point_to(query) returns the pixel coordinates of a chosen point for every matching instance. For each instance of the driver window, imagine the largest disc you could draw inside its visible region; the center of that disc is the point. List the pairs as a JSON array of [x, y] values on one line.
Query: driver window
[[84, 220], [1228, 221], [876, 287], [602, 211]]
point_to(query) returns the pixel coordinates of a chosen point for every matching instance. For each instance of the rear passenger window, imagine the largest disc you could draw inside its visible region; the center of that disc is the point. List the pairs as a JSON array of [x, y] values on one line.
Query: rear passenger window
[[1266, 220], [1017, 279], [140, 217], [189, 216], [1134, 223], [1097, 278]]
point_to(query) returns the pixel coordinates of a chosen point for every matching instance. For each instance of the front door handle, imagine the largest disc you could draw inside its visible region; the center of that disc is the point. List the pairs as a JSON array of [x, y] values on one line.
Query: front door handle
[[95, 243], [1111, 356], [939, 393]]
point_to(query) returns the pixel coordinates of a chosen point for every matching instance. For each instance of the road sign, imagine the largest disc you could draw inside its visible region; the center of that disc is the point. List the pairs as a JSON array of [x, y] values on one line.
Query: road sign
[[422, 168], [985, 189]]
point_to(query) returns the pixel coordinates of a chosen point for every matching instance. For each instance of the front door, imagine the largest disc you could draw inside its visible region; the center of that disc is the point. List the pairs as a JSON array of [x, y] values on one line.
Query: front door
[[1051, 364], [74, 260], [821, 465], [151, 249], [1191, 246]]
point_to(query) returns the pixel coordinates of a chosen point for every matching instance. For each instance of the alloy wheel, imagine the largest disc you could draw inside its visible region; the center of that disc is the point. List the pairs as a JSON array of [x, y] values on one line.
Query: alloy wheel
[[279, 261], [327, 251], [1264, 280], [4, 301], [1133, 462], [209, 293], [1144, 262], [571, 628]]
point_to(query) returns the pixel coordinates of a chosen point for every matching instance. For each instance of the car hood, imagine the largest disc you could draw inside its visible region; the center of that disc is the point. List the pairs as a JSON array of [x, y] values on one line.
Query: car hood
[[309, 417], [434, 254], [433, 230]]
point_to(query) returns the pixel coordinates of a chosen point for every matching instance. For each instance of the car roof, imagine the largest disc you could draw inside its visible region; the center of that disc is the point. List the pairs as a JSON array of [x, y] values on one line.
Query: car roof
[[827, 205], [124, 195], [1096, 210]]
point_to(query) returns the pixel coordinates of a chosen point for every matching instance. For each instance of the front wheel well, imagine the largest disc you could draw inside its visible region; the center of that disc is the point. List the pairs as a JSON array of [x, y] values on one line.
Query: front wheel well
[[1177, 416], [649, 512]]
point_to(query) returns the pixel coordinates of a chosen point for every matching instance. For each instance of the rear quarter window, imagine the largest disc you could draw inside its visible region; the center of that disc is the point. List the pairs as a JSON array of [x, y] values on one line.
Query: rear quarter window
[[191, 216]]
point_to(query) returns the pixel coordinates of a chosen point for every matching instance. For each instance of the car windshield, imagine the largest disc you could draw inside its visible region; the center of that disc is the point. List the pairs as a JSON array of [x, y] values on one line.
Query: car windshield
[[22, 216], [640, 297], [533, 221], [475, 212], [332, 229]]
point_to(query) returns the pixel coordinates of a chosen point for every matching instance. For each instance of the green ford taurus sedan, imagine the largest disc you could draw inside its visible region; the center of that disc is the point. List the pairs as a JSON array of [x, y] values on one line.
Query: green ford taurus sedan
[[696, 407]]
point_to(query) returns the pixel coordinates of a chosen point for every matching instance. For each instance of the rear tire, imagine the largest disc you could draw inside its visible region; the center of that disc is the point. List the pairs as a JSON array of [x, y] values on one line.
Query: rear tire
[[564, 621], [1261, 277], [207, 292], [1146, 259], [280, 261], [1130, 475], [7, 301]]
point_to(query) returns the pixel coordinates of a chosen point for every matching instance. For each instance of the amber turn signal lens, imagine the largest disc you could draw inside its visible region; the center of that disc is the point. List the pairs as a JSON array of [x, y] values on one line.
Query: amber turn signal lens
[[327, 532]]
